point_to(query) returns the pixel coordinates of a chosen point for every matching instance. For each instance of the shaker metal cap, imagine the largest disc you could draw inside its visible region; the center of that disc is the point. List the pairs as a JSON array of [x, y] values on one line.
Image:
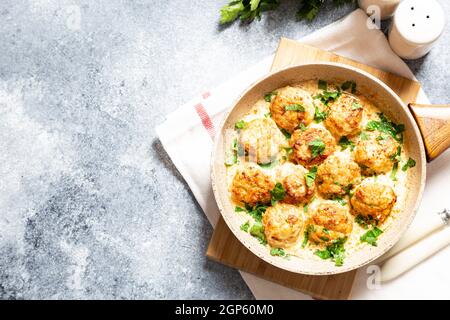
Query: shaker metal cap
[[419, 21]]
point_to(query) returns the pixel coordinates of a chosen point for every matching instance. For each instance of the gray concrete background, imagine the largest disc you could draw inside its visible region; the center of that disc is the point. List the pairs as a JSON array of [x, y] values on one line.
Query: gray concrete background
[[90, 204]]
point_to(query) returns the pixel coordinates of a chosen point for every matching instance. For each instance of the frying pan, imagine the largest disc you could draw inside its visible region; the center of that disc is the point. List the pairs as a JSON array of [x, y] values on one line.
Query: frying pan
[[427, 134]]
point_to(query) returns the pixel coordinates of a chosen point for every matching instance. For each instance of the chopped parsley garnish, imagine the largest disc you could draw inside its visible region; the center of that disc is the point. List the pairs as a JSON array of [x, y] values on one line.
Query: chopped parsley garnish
[[394, 172], [268, 96], [345, 143], [245, 226], [328, 96], [256, 212], [371, 236], [278, 193], [322, 84], [302, 126], [334, 251], [356, 106], [319, 116], [257, 230], [341, 201], [349, 85], [387, 126], [363, 135], [268, 165], [288, 150], [307, 232], [231, 157], [240, 124], [317, 147], [294, 107], [286, 133], [396, 156], [411, 163], [365, 222], [311, 176], [277, 252], [239, 209]]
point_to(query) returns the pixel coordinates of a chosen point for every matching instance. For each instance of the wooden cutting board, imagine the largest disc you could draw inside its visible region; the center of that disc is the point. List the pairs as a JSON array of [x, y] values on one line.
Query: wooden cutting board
[[225, 248]]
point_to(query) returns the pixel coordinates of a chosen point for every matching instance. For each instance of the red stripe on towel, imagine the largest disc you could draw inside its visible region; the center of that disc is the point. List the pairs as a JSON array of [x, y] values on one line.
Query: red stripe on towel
[[206, 120]]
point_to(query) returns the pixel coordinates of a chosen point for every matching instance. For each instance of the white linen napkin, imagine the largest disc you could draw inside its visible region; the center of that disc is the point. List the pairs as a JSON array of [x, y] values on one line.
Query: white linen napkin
[[191, 129]]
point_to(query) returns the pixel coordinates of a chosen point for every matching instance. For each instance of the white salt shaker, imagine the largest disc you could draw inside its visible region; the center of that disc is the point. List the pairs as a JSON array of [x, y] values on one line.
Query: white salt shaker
[[385, 7], [416, 26]]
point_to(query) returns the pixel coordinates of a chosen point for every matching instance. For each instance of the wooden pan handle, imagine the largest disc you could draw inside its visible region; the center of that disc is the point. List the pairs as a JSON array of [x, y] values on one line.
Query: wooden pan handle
[[434, 124]]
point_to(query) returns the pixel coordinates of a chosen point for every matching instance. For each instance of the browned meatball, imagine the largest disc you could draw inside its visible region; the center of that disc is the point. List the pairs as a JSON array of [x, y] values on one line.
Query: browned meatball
[[283, 224], [374, 200], [294, 183], [336, 175], [312, 146], [329, 221], [261, 140], [251, 186], [286, 99], [344, 116], [374, 153]]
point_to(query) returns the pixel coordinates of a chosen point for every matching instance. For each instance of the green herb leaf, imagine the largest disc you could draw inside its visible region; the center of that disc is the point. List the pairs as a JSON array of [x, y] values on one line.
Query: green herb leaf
[[278, 193], [311, 176], [294, 107], [319, 116], [240, 125], [268, 165], [394, 172], [396, 156], [302, 126], [371, 236], [341, 201], [335, 251], [239, 209], [268, 96], [363, 135], [356, 106], [349, 85], [387, 126], [245, 226], [257, 230], [286, 133], [345, 143], [328, 96], [322, 84], [317, 146], [257, 211], [307, 233], [231, 11], [277, 252], [411, 163]]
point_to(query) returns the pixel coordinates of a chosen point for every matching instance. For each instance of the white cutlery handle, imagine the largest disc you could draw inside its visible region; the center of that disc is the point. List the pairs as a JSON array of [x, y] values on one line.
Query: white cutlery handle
[[414, 255], [418, 230]]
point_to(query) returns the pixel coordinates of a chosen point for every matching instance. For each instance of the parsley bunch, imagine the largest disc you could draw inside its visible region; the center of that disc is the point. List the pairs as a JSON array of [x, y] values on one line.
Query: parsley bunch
[[248, 10]]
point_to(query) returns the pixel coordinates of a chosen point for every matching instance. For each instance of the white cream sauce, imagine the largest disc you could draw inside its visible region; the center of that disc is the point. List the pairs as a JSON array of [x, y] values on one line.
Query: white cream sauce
[[261, 110]]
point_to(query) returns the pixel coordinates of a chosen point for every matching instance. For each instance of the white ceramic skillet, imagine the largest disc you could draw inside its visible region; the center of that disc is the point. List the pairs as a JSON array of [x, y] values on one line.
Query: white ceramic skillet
[[434, 121]]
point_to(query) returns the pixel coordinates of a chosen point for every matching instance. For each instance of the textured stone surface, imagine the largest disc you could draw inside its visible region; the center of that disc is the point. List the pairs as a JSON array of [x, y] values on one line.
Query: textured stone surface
[[90, 204]]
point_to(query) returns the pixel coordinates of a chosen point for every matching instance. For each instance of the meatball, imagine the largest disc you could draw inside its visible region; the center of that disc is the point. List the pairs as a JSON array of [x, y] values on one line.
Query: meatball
[[282, 225], [373, 200], [292, 97], [261, 139], [337, 175], [344, 116], [294, 183], [329, 221], [374, 153], [312, 146], [251, 186]]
